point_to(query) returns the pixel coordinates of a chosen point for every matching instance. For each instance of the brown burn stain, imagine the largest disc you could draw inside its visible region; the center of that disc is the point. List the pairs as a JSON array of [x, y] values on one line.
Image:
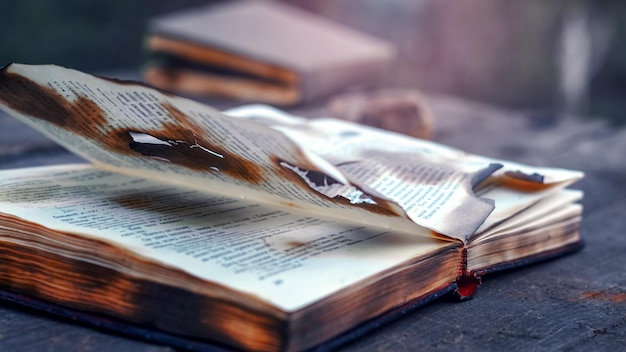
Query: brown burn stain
[[441, 236], [522, 182], [90, 287], [382, 206], [604, 296], [84, 117], [295, 243], [66, 282], [191, 150]]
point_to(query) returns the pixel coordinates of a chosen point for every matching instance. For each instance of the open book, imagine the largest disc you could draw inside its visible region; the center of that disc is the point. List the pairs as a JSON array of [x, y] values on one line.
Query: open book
[[254, 228]]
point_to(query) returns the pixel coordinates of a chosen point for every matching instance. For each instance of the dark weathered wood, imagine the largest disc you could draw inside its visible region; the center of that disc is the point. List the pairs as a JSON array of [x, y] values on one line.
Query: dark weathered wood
[[26, 330], [576, 302]]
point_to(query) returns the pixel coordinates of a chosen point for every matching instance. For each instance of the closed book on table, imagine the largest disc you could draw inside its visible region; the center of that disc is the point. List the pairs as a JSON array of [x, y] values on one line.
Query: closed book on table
[[260, 51]]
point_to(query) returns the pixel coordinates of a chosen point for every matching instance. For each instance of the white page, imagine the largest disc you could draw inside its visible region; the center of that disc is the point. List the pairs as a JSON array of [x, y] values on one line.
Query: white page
[[556, 207], [432, 182], [130, 128], [328, 168], [285, 259]]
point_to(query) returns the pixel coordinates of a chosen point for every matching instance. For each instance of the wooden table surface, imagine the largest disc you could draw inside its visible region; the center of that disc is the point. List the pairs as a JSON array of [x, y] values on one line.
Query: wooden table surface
[[574, 303]]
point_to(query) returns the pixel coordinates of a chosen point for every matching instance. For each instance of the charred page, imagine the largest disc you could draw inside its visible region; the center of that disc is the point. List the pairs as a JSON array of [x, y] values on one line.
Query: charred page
[[327, 168]]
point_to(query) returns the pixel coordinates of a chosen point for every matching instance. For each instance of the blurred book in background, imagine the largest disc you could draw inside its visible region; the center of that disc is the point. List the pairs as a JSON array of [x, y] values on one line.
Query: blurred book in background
[[260, 51]]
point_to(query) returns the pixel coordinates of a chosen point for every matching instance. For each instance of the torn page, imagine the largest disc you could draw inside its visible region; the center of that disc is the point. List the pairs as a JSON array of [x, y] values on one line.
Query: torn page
[[134, 129], [441, 188], [327, 168]]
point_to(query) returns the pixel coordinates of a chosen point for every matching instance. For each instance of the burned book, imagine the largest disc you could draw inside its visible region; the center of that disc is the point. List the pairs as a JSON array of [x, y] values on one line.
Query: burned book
[[260, 51], [252, 228]]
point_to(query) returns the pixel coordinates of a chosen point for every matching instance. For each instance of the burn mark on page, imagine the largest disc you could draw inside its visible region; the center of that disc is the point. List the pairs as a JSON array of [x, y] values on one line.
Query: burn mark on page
[[175, 142], [484, 174], [308, 178], [192, 152], [180, 144], [82, 116], [523, 182], [317, 179]]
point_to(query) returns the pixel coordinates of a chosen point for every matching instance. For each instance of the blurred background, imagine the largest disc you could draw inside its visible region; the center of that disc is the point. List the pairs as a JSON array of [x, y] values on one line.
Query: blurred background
[[546, 57]]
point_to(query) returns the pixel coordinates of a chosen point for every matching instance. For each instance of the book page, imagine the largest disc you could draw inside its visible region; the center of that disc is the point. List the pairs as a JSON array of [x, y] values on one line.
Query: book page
[[512, 202], [259, 250], [131, 128], [441, 188], [327, 168], [551, 209]]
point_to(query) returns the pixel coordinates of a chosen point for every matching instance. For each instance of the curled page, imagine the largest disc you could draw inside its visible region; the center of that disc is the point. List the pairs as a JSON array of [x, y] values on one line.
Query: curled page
[[130, 128], [441, 188], [327, 168]]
